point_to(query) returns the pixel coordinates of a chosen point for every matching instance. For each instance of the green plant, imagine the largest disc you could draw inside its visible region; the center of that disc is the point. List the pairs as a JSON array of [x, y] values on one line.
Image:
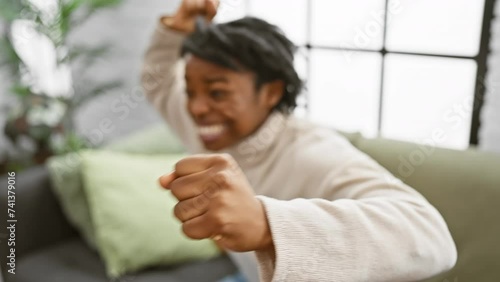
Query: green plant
[[40, 124]]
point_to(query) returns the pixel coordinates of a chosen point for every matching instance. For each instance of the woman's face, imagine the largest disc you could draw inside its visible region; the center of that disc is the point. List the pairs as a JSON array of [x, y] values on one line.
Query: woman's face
[[225, 104]]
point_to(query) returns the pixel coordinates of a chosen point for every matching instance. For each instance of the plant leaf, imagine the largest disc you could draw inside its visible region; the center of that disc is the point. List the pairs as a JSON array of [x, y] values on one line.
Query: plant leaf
[[21, 90], [85, 54], [98, 4], [9, 58], [10, 9], [69, 7]]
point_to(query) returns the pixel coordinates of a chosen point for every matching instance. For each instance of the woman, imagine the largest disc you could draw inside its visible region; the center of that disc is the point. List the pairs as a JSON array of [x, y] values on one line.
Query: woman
[[311, 206]]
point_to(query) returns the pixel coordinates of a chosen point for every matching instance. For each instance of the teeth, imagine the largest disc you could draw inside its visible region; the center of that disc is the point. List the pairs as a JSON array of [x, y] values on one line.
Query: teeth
[[211, 129]]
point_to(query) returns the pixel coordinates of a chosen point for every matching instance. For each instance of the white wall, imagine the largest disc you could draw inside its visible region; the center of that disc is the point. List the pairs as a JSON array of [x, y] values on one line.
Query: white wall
[[490, 115], [129, 28]]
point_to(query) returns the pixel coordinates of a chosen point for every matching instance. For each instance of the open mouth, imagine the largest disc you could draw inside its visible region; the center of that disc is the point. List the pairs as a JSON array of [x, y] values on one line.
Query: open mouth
[[211, 133]]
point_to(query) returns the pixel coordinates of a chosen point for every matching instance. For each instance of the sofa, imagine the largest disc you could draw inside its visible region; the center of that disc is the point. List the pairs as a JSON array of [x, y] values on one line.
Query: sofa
[[463, 185]]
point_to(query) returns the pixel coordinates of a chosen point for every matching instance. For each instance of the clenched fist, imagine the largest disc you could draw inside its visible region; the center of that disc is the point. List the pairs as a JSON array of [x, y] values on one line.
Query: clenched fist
[[185, 17], [216, 201]]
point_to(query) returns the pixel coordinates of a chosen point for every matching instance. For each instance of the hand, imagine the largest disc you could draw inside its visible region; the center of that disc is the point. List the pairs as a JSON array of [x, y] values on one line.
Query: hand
[[216, 201], [184, 19]]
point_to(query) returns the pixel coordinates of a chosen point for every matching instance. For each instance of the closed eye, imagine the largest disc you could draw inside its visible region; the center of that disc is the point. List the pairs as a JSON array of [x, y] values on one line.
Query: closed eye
[[218, 94]]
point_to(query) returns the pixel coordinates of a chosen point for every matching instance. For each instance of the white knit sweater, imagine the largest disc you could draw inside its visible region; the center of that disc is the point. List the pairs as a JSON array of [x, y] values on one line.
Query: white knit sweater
[[334, 213]]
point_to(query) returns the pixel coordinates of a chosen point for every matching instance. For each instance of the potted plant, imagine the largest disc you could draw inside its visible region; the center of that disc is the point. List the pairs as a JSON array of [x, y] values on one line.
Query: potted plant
[[40, 117]]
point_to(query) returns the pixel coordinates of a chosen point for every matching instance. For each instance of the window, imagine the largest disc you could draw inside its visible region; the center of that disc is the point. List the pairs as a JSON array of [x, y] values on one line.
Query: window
[[400, 69]]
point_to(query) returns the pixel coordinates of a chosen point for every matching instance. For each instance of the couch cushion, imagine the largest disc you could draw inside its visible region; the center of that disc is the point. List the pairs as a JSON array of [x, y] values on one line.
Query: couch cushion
[[353, 137], [73, 261], [38, 213], [66, 178], [132, 216], [465, 187]]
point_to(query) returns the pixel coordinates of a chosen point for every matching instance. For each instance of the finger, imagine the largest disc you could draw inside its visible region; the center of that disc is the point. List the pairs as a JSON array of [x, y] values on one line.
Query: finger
[[190, 186], [217, 3], [166, 180], [191, 208], [193, 164], [198, 228], [211, 9], [220, 246], [198, 6]]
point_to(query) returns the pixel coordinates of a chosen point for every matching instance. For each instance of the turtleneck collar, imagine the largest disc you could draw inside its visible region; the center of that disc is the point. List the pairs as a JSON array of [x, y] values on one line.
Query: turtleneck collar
[[252, 148]]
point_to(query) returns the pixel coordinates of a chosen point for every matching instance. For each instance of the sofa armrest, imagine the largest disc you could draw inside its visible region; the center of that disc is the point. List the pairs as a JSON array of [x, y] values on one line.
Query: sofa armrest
[[40, 221]]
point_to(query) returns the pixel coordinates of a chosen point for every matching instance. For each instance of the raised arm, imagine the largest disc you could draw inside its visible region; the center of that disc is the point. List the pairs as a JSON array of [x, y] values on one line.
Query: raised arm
[[163, 70]]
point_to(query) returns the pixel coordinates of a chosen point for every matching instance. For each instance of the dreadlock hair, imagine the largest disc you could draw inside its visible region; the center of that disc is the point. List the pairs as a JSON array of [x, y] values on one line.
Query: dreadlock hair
[[249, 44]]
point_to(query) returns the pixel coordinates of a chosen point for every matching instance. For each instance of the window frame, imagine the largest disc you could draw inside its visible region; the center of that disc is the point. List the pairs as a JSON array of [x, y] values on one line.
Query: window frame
[[480, 59]]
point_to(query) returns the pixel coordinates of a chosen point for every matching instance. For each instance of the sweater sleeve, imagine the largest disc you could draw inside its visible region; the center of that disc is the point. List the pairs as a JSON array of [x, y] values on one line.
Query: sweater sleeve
[[164, 86], [375, 228]]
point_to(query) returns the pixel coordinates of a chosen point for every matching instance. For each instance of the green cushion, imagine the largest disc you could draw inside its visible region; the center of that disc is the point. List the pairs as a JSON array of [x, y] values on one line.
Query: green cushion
[[132, 215], [465, 187], [66, 179], [66, 183]]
